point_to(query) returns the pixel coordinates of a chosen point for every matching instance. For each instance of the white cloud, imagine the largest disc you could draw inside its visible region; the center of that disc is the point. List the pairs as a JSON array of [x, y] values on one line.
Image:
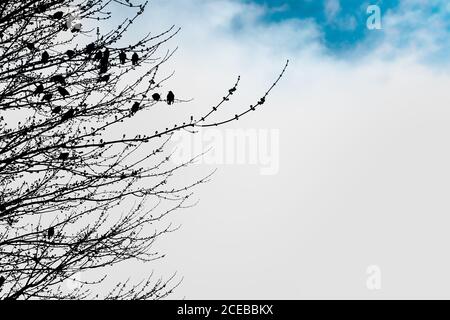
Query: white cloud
[[363, 164], [332, 8]]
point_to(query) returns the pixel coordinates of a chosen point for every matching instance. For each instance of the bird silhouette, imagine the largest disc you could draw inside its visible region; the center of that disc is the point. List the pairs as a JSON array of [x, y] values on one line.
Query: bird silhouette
[[156, 96], [2, 281], [62, 91], [90, 48], [69, 114], [98, 55], [104, 62], [103, 68], [59, 79], [30, 46], [58, 15], [170, 98], [70, 53], [51, 230], [39, 89], [45, 57], [135, 108], [47, 97], [56, 109], [41, 8], [106, 54], [122, 57], [134, 59], [104, 78]]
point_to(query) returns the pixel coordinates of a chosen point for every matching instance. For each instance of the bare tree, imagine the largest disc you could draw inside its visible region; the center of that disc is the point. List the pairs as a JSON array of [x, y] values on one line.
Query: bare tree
[[75, 196]]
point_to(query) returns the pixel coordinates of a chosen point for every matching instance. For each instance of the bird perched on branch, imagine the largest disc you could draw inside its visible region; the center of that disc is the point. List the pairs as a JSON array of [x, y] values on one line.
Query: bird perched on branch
[[104, 78], [90, 48], [98, 55], [104, 61], [63, 156], [69, 114], [170, 98], [59, 79], [45, 57], [30, 46], [104, 65], [134, 59], [103, 68], [135, 107], [58, 15], [39, 89], [156, 96], [47, 97], [41, 8], [106, 55], [63, 92], [122, 57], [50, 232], [70, 53]]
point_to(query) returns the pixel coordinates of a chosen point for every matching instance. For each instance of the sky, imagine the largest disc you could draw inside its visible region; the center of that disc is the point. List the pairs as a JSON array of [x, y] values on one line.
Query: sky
[[342, 24], [350, 163]]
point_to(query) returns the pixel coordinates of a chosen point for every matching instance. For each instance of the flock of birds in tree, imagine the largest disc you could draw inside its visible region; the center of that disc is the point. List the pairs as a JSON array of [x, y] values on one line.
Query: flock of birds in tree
[[61, 82], [103, 58], [96, 54]]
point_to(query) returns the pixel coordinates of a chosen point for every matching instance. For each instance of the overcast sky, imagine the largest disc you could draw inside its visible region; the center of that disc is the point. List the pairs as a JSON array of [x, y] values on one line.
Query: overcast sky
[[355, 137]]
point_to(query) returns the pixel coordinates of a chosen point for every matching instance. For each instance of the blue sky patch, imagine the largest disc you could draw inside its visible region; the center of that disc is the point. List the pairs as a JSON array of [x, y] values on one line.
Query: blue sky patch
[[343, 23]]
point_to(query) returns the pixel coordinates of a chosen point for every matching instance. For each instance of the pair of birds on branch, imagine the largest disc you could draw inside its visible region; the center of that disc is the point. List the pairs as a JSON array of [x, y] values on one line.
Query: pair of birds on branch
[[48, 96], [123, 58], [69, 114], [45, 56]]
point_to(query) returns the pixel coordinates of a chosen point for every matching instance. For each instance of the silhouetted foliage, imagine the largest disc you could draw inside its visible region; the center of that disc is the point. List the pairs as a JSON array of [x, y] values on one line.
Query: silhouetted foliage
[[73, 197]]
